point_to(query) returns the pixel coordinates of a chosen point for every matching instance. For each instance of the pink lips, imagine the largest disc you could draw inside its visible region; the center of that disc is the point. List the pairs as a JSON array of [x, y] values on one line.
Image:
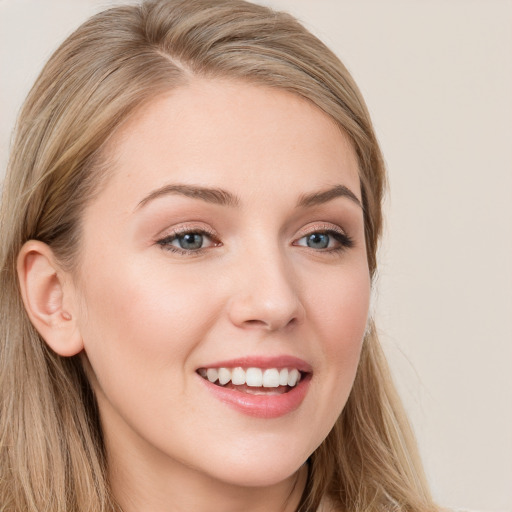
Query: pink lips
[[263, 406]]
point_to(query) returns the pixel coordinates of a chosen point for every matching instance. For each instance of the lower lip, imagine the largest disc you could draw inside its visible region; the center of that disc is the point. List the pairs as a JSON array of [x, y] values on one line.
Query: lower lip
[[261, 406]]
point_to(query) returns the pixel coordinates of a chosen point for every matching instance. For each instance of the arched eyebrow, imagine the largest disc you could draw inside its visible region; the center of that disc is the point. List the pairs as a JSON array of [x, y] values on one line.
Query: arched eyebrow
[[324, 196], [210, 195], [224, 198]]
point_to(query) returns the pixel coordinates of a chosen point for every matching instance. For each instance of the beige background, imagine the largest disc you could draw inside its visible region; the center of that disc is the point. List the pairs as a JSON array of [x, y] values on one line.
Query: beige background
[[437, 77]]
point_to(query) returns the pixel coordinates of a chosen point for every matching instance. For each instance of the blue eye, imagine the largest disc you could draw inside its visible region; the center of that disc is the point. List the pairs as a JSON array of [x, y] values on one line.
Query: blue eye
[[318, 240], [187, 241], [329, 240], [190, 241]]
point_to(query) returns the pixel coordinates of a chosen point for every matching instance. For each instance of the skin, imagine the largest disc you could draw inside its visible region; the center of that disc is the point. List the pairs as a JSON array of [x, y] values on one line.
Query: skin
[[149, 316]]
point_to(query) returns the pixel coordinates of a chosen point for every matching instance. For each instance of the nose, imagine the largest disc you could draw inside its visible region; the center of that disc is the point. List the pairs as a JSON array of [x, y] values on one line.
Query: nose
[[266, 294]]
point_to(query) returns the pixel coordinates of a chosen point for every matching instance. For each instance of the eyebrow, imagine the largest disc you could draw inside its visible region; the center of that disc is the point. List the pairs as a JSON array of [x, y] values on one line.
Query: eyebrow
[[224, 198], [317, 198], [210, 195]]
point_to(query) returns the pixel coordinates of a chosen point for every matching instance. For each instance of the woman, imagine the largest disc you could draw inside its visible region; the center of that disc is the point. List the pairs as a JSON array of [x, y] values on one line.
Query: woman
[[190, 223]]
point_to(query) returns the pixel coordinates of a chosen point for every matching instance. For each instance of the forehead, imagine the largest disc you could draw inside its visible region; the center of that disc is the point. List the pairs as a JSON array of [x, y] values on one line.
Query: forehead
[[234, 135]]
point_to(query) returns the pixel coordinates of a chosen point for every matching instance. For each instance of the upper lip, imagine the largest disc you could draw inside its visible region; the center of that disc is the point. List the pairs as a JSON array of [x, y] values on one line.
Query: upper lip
[[282, 361]]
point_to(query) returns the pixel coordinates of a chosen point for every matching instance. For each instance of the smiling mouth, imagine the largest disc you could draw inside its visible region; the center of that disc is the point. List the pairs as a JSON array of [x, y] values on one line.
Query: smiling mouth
[[254, 381]]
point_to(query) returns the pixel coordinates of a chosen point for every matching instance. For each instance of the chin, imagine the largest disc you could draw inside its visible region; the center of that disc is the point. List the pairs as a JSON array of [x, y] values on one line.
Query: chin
[[256, 473]]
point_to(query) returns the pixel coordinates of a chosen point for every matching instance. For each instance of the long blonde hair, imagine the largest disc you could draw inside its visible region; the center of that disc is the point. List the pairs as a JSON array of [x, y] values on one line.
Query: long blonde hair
[[51, 450]]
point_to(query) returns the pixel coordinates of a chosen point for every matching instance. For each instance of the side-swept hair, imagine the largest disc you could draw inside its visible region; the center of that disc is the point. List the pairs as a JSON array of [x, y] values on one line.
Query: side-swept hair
[[51, 449]]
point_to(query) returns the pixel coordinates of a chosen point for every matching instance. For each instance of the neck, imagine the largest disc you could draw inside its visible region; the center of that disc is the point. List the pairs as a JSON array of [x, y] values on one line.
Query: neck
[[155, 483], [139, 489]]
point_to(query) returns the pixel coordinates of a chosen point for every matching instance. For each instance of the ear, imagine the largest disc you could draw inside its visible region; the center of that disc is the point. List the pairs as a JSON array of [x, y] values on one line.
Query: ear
[[48, 296]]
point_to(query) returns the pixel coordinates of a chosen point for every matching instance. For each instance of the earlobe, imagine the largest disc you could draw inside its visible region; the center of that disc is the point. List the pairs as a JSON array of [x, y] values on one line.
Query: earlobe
[[48, 299]]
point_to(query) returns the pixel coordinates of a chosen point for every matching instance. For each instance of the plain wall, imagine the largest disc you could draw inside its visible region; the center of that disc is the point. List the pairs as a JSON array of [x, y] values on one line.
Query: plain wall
[[437, 78]]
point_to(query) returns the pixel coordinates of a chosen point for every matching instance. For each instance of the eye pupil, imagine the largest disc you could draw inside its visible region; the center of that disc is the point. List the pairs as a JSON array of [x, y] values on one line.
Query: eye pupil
[[318, 240], [191, 241]]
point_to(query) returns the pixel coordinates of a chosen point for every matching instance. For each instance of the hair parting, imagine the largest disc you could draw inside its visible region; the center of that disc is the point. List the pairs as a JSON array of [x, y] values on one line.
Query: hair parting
[[52, 456]]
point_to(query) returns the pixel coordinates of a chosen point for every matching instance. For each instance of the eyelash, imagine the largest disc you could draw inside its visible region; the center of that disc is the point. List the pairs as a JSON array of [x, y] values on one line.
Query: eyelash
[[345, 241], [165, 242]]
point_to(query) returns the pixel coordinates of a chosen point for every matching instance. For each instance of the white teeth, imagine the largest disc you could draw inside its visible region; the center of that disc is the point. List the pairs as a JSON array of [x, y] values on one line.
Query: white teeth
[[271, 378], [293, 376], [224, 376], [212, 374], [252, 377], [238, 377]]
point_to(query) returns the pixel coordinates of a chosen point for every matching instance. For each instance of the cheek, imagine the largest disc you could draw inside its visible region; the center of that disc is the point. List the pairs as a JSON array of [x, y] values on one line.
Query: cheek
[[340, 308], [340, 316], [142, 321]]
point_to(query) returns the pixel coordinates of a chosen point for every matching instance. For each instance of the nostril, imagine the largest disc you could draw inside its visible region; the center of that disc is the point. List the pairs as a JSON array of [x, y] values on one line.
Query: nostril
[[269, 324], [255, 323]]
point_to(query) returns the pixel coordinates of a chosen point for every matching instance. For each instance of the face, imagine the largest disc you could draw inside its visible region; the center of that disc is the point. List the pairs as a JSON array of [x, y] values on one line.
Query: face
[[227, 244]]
